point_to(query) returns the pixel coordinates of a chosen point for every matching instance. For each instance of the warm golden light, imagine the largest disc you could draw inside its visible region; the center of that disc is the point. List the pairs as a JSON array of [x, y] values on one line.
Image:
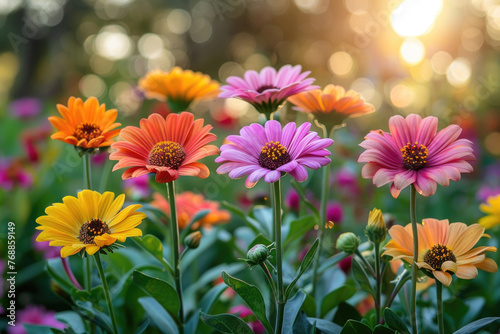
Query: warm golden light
[[415, 17], [412, 51], [401, 96], [341, 63], [459, 72]]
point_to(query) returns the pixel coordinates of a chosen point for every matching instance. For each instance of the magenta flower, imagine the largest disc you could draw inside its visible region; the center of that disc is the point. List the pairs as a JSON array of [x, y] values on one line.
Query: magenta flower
[[271, 152], [246, 314], [268, 89], [34, 315], [415, 153]]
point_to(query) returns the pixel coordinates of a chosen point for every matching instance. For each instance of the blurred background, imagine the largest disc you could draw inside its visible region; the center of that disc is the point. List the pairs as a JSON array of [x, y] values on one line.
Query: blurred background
[[431, 57]]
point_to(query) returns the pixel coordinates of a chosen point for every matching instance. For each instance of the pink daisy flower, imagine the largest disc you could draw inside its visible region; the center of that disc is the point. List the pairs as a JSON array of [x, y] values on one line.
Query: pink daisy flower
[[415, 153], [268, 89], [271, 152]]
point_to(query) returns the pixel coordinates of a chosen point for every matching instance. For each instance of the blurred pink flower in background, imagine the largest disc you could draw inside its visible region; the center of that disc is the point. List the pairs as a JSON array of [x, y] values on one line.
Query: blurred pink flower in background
[[100, 158], [137, 188], [347, 181], [244, 312], [334, 212], [13, 174], [345, 264], [292, 200], [32, 139], [25, 107], [34, 315]]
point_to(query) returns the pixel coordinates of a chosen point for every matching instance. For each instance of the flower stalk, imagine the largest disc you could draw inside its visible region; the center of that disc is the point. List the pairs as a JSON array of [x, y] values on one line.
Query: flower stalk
[[174, 229], [279, 265], [87, 180], [106, 292], [414, 267], [439, 293], [378, 276]]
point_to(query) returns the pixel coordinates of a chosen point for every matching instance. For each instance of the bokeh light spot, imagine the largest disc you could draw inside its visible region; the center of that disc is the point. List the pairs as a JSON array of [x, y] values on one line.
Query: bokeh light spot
[[412, 51], [341, 63], [415, 17], [459, 72]]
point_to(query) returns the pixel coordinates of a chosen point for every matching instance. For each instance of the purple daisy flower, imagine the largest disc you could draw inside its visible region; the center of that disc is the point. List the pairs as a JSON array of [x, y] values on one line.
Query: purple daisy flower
[[271, 152], [267, 90]]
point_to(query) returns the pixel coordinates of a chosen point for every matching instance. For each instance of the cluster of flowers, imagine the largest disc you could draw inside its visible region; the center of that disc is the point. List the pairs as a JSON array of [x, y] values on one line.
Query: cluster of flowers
[[414, 153]]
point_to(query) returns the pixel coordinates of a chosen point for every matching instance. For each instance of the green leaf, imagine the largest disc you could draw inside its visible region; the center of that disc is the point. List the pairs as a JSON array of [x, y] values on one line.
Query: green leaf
[[326, 326], [394, 321], [73, 320], [55, 270], [292, 308], [361, 275], [344, 313], [158, 315], [197, 216], [355, 327], [301, 325], [252, 223], [264, 217], [334, 298], [160, 290], [251, 296], [477, 325], [206, 304], [86, 310], [309, 306], [226, 323], [94, 296], [298, 228], [379, 329], [36, 329], [153, 245], [306, 262], [142, 327], [125, 279]]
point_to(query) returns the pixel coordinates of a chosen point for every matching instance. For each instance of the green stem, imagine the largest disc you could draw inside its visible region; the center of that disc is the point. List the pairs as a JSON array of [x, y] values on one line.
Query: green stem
[[105, 175], [322, 218], [269, 279], [165, 263], [87, 176], [106, 292], [414, 268], [279, 264], [367, 264], [404, 278], [439, 292], [378, 279], [174, 229], [87, 179]]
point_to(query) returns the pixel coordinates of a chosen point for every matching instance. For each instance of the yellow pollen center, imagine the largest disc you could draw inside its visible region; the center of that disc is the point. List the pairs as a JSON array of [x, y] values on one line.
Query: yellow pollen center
[[167, 154], [87, 131], [438, 255], [273, 155], [414, 156], [91, 229]]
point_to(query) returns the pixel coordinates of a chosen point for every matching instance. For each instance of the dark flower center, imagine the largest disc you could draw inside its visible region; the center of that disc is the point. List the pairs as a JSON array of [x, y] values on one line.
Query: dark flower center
[[414, 156], [91, 229], [167, 154], [273, 155], [265, 87], [438, 255], [87, 131]]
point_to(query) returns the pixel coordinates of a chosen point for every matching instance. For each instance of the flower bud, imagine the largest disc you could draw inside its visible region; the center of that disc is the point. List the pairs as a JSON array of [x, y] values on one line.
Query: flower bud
[[193, 240], [376, 229], [348, 242], [257, 254]]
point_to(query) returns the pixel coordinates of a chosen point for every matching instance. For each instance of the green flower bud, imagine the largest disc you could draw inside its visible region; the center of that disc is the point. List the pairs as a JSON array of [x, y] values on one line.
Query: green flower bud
[[257, 254], [348, 242], [193, 240], [376, 229]]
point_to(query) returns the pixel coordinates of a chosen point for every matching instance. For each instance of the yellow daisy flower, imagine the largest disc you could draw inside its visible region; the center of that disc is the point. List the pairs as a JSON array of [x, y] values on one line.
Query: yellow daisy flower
[[91, 222], [492, 208], [443, 249], [178, 87]]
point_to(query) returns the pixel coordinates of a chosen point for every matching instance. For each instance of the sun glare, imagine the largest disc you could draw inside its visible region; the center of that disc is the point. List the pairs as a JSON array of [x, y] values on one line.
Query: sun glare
[[415, 17]]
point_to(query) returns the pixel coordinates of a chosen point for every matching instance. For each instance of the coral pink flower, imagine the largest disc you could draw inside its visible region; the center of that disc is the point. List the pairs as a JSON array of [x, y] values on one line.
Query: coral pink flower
[[271, 152], [415, 153], [168, 147], [268, 89]]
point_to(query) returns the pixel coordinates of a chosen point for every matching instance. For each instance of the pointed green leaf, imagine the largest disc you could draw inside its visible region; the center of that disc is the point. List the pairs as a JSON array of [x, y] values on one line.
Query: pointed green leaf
[[206, 304], [251, 296], [55, 270], [38, 329], [361, 275], [252, 223], [264, 216], [298, 228], [226, 323], [306, 262], [142, 327], [334, 298], [395, 322], [344, 313], [355, 327], [292, 308], [379, 329], [158, 315], [309, 306], [160, 290], [301, 325], [326, 326], [153, 245], [477, 325]]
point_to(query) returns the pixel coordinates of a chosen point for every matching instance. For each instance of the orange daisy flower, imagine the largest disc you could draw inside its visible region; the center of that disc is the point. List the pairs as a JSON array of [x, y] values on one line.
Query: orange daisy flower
[[168, 147], [188, 204], [85, 124], [332, 105], [178, 87], [443, 249]]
